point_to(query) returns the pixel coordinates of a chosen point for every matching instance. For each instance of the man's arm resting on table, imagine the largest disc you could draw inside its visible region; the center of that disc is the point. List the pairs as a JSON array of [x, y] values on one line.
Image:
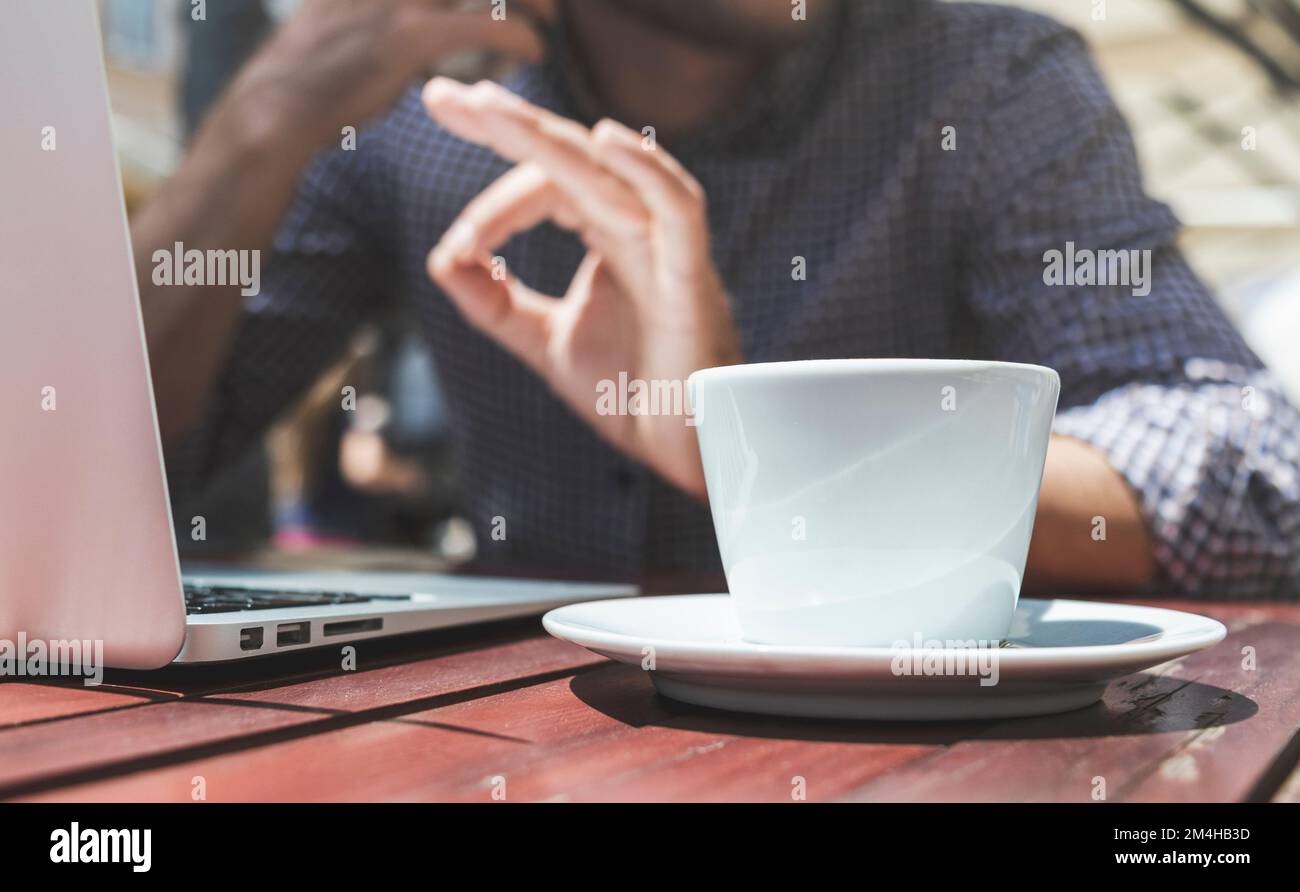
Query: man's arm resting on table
[[1156, 380], [1080, 486]]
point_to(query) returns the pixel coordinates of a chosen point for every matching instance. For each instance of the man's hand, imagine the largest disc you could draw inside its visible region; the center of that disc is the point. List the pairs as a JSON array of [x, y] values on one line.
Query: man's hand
[[341, 62], [335, 63], [646, 300]]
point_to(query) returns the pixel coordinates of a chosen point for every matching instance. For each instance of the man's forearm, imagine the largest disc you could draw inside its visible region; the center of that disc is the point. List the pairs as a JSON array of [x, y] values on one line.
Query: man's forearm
[[228, 194], [1090, 533]]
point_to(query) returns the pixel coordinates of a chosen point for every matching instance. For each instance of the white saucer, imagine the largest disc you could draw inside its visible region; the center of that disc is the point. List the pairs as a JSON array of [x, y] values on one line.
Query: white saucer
[[1060, 655]]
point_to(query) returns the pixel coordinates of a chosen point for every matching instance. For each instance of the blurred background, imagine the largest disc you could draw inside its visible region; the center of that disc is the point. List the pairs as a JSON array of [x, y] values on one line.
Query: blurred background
[[1211, 89]]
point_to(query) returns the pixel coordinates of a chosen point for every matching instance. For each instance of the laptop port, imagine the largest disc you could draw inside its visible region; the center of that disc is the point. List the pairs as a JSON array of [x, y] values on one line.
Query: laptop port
[[348, 627], [250, 638], [288, 634]]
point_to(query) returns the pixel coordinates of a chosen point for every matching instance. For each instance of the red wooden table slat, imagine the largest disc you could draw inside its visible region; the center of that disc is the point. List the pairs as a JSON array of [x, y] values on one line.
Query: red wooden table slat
[[94, 743], [602, 734], [557, 722], [25, 702], [584, 737]]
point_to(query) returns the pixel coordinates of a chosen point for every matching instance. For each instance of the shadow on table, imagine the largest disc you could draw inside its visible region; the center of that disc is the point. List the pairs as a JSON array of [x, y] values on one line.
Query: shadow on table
[[1138, 704]]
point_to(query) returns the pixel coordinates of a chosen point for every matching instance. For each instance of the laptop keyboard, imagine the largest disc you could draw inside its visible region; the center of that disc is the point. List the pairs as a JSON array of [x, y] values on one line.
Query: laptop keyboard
[[228, 599]]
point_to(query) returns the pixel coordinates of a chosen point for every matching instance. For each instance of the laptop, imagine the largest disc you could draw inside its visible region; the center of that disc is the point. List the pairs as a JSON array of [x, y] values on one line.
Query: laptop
[[87, 550]]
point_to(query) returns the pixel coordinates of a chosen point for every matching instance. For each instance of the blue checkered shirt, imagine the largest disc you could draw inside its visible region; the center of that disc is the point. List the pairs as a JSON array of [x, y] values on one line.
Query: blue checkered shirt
[[917, 241]]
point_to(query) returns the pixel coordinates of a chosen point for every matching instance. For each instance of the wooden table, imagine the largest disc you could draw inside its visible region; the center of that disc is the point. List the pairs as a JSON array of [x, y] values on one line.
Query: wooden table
[[460, 714]]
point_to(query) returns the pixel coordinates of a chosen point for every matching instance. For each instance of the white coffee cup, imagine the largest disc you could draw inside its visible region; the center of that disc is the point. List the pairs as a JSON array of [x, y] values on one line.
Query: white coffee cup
[[868, 502]]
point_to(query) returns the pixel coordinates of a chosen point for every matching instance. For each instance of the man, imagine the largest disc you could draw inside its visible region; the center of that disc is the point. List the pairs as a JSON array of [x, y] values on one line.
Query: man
[[788, 181]]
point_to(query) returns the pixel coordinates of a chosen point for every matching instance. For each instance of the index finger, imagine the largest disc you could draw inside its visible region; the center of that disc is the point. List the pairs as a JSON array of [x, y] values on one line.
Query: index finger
[[522, 198], [517, 130]]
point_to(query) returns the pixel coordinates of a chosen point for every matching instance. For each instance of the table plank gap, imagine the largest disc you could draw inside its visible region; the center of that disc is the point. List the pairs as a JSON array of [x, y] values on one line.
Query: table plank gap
[[23, 704]]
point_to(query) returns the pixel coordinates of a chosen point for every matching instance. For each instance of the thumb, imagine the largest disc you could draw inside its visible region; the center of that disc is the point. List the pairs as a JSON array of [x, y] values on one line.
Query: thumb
[[503, 308]]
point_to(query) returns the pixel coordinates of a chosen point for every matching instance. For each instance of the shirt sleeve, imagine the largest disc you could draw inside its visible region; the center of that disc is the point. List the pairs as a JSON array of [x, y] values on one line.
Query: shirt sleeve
[[327, 274], [1152, 373]]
